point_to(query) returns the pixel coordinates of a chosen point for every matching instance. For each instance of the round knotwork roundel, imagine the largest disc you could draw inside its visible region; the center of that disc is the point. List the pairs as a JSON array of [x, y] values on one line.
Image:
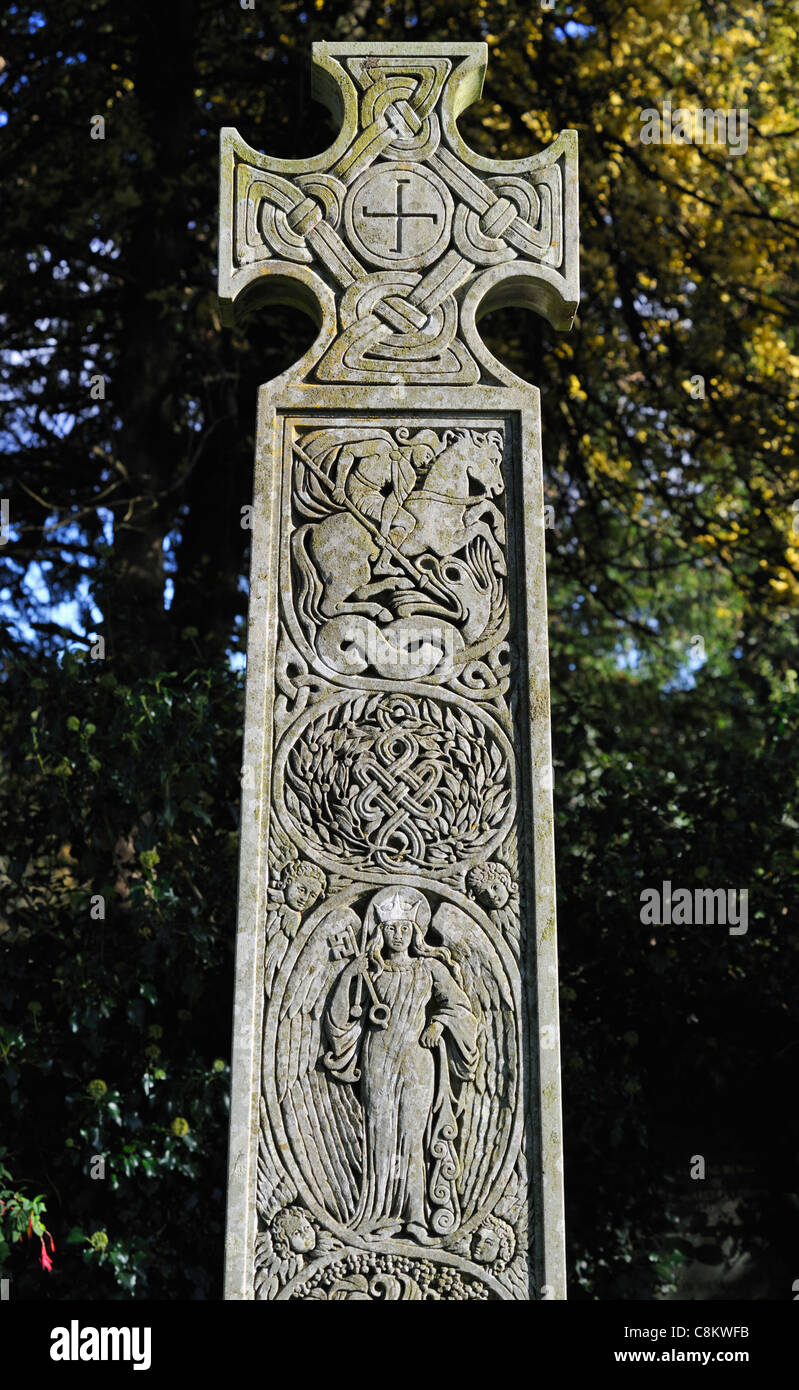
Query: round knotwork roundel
[[395, 781]]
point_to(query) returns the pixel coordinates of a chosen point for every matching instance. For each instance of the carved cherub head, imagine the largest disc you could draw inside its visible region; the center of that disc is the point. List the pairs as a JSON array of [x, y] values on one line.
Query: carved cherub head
[[292, 1232], [490, 884], [302, 883], [493, 1243]]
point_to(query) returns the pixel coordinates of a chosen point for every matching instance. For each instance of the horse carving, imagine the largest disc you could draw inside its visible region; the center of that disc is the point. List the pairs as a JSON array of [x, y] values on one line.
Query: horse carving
[[401, 526]]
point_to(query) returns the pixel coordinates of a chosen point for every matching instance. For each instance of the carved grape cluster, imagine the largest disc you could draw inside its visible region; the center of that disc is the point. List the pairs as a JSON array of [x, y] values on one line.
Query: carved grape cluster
[[368, 1276]]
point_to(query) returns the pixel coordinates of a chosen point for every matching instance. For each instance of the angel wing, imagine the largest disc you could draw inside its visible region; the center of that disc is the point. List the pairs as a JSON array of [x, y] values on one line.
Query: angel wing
[[516, 1278], [271, 1270], [274, 1189], [281, 850], [322, 1117], [487, 1103], [277, 942]]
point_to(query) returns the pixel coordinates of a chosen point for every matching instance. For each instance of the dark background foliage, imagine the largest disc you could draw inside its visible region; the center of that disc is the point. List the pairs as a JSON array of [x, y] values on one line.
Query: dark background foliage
[[675, 758]]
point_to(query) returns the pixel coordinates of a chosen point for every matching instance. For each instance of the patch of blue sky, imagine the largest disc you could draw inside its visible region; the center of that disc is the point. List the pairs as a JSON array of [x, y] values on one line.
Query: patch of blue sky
[[42, 253], [98, 247], [628, 658], [66, 613], [237, 658], [19, 627], [168, 546], [22, 357], [60, 424], [685, 679], [107, 518], [10, 533], [572, 30]]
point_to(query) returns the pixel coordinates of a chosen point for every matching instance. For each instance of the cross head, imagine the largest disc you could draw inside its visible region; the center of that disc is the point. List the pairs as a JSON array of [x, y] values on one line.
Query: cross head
[[401, 233]]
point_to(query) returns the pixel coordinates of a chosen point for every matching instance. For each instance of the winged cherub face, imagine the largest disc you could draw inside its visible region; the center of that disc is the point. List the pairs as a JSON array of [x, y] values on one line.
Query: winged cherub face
[[493, 894], [302, 892], [485, 1246], [302, 1237]]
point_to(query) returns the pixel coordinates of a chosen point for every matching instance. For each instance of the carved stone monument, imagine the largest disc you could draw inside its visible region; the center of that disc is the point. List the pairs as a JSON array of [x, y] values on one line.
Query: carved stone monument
[[395, 1128]]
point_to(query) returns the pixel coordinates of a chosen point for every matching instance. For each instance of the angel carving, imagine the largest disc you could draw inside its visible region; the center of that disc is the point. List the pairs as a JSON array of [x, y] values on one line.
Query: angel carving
[[397, 1070], [424, 1039], [301, 884], [494, 1245], [493, 887], [280, 1251]]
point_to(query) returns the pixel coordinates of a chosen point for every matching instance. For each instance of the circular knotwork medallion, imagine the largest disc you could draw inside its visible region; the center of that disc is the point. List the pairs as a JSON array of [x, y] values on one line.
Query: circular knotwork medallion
[[395, 782]]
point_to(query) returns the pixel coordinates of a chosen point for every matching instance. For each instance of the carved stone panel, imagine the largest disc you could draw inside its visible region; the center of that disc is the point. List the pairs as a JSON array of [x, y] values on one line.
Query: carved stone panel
[[395, 1127]]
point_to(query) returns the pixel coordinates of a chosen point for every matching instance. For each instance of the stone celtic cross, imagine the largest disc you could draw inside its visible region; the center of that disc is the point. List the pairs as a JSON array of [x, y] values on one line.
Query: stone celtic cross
[[395, 1126]]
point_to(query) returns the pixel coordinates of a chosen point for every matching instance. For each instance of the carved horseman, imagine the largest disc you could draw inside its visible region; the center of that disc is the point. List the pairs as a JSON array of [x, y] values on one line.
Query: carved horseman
[[377, 478]]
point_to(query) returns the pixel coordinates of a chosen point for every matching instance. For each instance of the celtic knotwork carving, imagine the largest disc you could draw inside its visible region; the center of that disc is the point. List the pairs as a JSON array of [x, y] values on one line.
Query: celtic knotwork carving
[[295, 685], [404, 199], [369, 350], [488, 679], [401, 94], [388, 781]]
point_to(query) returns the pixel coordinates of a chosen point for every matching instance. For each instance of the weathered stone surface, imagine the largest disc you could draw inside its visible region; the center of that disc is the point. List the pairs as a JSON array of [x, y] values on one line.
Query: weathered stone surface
[[395, 1128]]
